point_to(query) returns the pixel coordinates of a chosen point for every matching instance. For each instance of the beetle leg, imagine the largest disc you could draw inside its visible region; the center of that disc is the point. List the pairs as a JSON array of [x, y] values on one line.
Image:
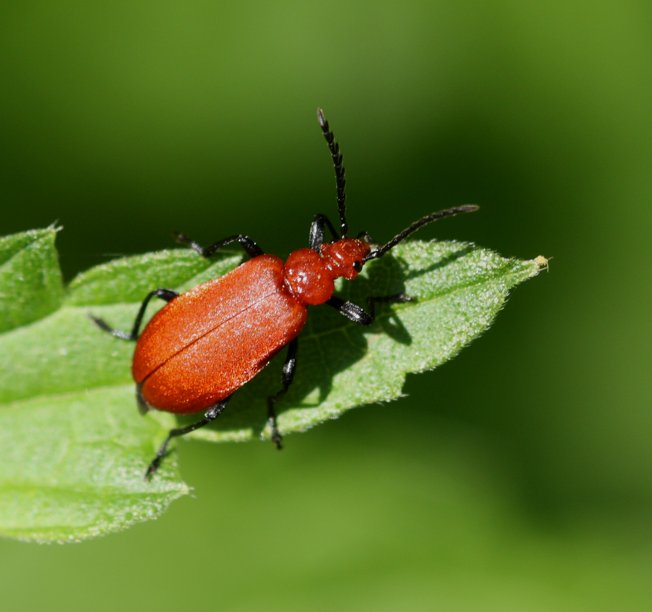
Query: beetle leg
[[395, 298], [365, 236], [287, 373], [164, 294], [357, 314], [248, 244], [316, 237], [209, 416], [351, 311], [143, 406]]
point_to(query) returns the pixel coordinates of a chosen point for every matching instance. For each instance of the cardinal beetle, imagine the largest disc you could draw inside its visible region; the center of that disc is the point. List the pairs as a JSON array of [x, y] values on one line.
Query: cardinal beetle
[[205, 344]]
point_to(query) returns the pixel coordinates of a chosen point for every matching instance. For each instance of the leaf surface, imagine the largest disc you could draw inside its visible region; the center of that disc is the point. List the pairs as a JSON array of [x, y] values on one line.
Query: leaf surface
[[74, 448]]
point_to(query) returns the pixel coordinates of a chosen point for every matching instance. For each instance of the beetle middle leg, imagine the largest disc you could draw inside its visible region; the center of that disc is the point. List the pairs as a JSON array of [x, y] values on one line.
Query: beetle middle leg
[[287, 373], [209, 416], [164, 294], [248, 244], [357, 314]]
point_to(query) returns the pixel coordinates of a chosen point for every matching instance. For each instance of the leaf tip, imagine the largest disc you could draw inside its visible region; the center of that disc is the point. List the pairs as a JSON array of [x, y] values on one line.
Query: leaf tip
[[55, 227]]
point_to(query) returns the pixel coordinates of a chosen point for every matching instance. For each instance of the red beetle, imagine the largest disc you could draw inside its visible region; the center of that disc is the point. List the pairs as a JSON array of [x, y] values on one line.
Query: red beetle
[[205, 344]]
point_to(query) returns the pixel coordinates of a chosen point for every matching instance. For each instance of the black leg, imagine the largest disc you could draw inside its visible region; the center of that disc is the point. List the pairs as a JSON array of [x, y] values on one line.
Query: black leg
[[164, 294], [395, 298], [316, 239], [357, 314], [351, 311], [143, 406], [289, 368], [209, 416], [251, 248]]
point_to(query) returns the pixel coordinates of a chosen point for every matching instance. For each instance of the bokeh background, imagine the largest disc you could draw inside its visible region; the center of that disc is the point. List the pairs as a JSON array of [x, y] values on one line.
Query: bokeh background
[[516, 477]]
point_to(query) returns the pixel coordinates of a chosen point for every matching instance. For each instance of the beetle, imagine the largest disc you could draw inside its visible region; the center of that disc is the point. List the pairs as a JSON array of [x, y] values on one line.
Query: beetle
[[206, 343]]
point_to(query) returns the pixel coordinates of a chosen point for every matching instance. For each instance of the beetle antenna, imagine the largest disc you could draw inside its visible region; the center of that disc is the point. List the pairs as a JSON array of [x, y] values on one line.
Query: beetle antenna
[[440, 214], [340, 178]]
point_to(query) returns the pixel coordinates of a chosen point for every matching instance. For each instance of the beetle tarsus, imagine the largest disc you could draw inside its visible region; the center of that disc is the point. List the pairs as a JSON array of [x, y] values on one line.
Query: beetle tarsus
[[165, 294], [209, 416], [104, 326], [359, 315], [152, 468], [143, 406], [396, 298], [276, 436]]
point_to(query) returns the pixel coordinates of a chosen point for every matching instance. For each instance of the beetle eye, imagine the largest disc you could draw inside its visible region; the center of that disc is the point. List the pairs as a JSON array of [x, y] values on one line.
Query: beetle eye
[[357, 266]]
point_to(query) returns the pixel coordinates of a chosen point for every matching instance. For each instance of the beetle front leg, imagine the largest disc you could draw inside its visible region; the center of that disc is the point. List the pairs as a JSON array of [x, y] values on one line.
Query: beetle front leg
[[209, 416], [357, 314], [287, 373], [164, 294], [247, 243], [316, 237]]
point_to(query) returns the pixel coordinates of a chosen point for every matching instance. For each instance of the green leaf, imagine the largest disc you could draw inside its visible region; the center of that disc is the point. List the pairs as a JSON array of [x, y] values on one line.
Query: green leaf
[[30, 279], [74, 448]]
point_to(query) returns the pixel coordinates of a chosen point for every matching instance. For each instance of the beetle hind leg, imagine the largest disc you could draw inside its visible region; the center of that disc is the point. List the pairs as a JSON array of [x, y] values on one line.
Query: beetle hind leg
[[287, 374], [143, 406], [209, 416]]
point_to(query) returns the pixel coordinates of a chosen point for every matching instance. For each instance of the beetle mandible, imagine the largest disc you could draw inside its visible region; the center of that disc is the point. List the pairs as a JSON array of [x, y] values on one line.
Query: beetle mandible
[[206, 343]]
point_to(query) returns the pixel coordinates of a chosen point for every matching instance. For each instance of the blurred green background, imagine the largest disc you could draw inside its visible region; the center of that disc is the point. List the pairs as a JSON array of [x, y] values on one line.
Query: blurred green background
[[516, 477]]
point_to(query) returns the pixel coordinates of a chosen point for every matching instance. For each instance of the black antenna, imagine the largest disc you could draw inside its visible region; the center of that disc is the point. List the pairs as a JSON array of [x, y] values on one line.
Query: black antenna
[[340, 178], [440, 214]]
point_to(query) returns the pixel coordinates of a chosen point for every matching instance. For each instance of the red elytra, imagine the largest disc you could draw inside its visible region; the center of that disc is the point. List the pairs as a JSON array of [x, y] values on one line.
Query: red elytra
[[206, 343]]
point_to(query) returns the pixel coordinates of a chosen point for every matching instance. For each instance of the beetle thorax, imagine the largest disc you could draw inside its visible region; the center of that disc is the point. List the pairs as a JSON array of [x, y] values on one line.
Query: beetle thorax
[[310, 276]]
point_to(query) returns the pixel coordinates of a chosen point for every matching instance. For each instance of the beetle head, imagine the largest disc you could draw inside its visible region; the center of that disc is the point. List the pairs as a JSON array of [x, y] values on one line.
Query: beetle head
[[345, 257]]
